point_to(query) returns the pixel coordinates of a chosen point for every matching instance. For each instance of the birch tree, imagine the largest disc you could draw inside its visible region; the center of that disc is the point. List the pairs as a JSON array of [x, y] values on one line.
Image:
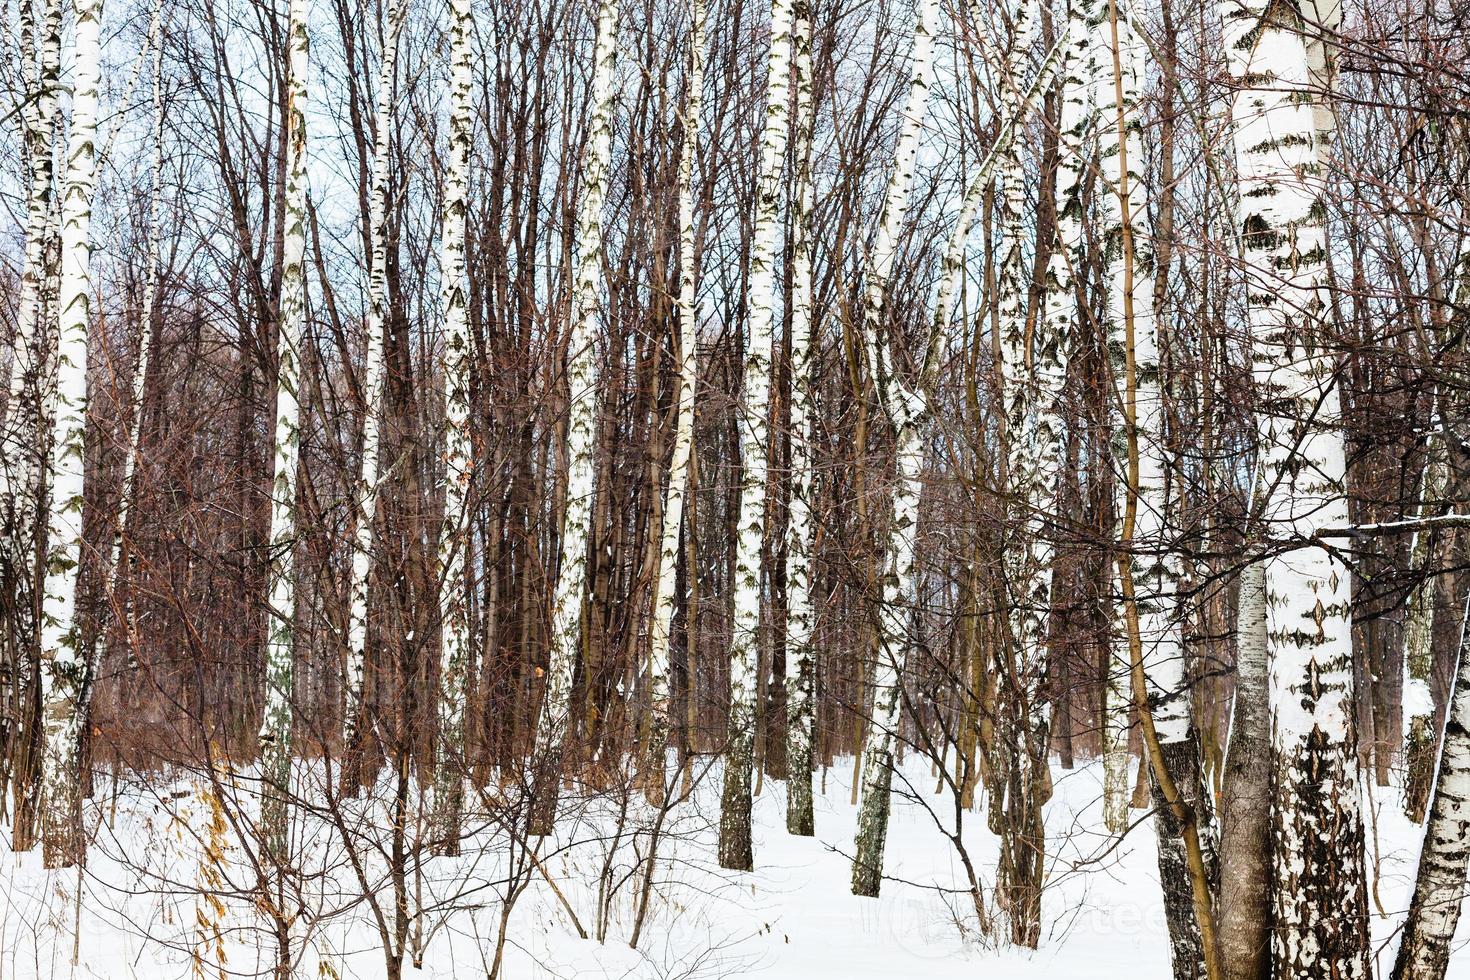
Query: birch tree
[[673, 512], [905, 408], [454, 646], [581, 373], [64, 668], [907, 404], [1439, 886], [801, 658], [1420, 739], [735, 801], [372, 400], [40, 49], [1280, 149], [275, 730], [1134, 333], [21, 422]]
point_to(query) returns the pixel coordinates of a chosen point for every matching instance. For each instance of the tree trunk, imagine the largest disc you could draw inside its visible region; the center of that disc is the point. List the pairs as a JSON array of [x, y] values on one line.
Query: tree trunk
[[906, 411], [735, 801], [1319, 896], [1245, 800], [364, 533], [800, 534], [1128, 272], [665, 598], [459, 463], [64, 668], [275, 730], [571, 581], [1421, 740], [1439, 888]]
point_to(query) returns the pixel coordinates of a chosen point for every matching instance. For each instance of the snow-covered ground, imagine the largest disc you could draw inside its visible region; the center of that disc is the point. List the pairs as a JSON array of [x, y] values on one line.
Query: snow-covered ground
[[144, 911]]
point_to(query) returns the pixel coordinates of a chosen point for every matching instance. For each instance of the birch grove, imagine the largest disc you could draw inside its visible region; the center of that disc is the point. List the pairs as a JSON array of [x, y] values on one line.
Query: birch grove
[[825, 488]]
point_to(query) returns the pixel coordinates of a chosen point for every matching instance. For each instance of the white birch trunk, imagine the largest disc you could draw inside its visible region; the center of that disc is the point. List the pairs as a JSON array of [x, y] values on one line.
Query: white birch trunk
[[1439, 888], [1061, 320], [41, 53], [372, 404], [454, 646], [1033, 373], [735, 830], [275, 730], [673, 513], [1128, 268], [64, 670], [1117, 696], [906, 410], [1420, 737], [800, 657], [571, 581], [1318, 899]]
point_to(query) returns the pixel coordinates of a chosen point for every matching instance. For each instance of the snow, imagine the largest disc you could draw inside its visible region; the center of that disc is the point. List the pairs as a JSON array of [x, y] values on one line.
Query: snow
[[792, 918]]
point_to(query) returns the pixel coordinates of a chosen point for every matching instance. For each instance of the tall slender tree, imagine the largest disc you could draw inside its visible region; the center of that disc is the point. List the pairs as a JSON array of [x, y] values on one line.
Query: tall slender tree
[[1425, 552], [64, 676], [364, 534], [21, 421], [280, 673], [571, 580], [801, 664], [1439, 886], [735, 800], [1134, 332], [905, 408], [664, 599], [459, 462]]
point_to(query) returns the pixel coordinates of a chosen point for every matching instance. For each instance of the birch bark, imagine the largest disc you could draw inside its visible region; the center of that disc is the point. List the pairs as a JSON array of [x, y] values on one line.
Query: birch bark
[[372, 406], [41, 54], [1439, 887], [673, 515], [275, 731], [735, 830], [64, 668], [132, 431], [801, 658], [1033, 365], [454, 651], [571, 581], [1280, 149], [906, 410], [1155, 567]]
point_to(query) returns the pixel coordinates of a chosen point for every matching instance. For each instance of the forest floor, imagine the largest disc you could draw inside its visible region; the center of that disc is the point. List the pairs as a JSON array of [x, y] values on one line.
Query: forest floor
[[143, 910]]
